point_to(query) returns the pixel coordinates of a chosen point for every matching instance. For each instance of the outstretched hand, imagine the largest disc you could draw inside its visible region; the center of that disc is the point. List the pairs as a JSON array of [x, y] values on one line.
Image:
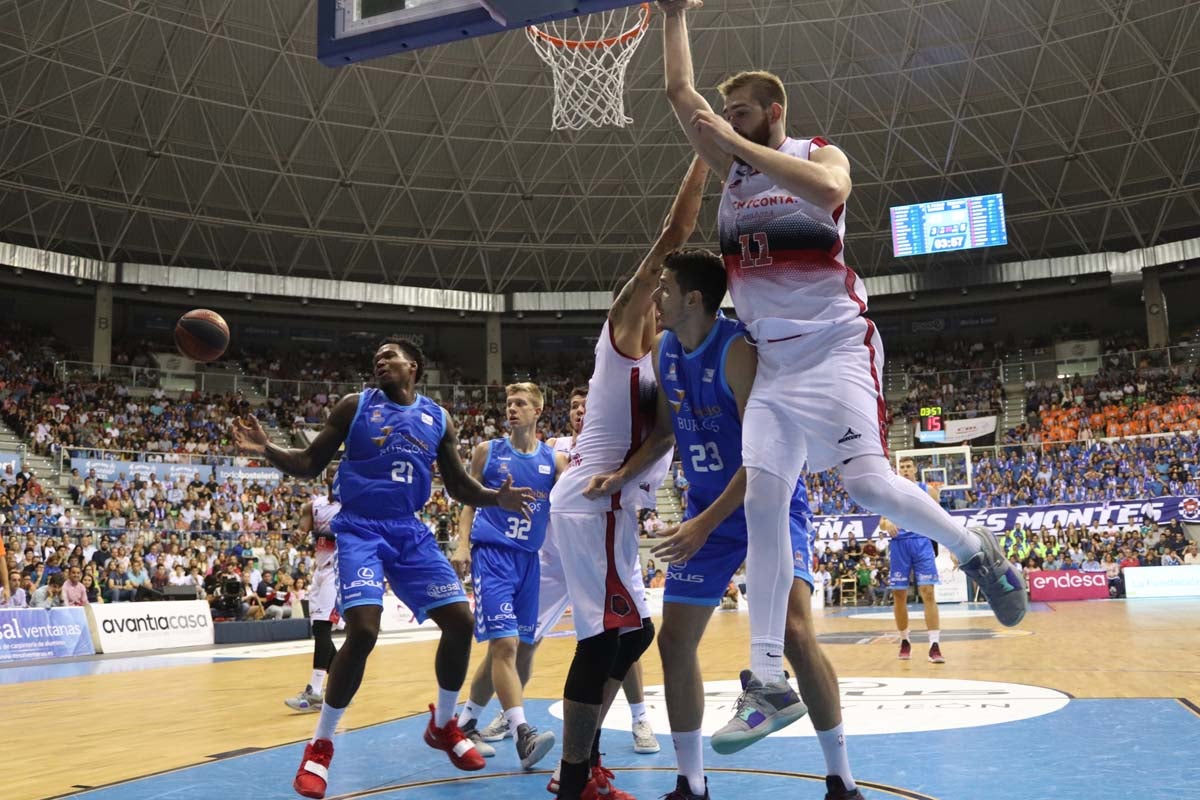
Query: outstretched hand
[[520, 498], [249, 435], [681, 542]]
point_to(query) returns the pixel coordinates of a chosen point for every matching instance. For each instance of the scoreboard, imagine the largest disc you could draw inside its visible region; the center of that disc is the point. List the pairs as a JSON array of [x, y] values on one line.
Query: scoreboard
[[932, 427], [948, 225]]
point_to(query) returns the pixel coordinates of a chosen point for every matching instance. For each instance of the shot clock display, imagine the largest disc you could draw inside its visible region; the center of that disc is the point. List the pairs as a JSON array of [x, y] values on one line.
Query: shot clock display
[[932, 428]]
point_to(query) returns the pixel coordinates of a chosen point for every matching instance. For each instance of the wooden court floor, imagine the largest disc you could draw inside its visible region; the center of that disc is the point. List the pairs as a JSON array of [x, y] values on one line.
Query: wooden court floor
[[98, 729]]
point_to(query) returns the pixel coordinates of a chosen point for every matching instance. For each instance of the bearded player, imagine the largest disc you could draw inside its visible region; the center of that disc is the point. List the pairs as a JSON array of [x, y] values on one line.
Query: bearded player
[[817, 398]]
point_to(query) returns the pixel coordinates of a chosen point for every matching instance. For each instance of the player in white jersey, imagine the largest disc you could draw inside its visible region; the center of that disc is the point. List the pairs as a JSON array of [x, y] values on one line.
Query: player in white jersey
[[552, 604], [612, 623], [816, 398], [315, 517]]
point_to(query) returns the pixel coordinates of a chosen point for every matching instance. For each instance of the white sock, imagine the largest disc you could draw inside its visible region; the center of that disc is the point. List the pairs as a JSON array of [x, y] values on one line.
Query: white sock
[[904, 636], [933, 637], [515, 717], [837, 762], [870, 482], [768, 569], [446, 703], [328, 721], [317, 682], [469, 712], [766, 659], [637, 711], [689, 755]]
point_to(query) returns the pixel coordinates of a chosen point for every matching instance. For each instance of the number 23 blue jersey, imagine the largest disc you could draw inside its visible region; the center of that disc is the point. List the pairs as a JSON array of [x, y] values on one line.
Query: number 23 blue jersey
[[705, 416]]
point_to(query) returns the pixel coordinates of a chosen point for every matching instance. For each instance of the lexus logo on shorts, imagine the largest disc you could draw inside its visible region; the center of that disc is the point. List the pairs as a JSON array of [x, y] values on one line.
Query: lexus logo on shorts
[[366, 573], [619, 605]]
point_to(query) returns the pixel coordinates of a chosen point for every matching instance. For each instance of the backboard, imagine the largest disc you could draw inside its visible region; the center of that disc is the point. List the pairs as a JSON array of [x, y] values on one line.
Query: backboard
[[349, 31]]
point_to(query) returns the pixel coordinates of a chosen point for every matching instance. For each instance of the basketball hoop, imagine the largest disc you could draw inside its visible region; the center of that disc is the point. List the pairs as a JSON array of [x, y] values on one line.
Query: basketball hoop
[[588, 57]]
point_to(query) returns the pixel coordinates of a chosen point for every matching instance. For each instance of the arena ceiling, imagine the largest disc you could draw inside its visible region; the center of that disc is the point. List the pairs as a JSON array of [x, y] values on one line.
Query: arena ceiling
[[204, 133]]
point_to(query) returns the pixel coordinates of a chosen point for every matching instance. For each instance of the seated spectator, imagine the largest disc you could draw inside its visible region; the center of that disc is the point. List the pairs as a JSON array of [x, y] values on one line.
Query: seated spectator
[[50, 595], [120, 588], [1190, 555], [74, 593], [19, 598], [659, 580]]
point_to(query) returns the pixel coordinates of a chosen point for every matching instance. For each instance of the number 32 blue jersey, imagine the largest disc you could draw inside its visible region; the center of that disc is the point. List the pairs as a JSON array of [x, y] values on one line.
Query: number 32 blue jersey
[[705, 416], [536, 470]]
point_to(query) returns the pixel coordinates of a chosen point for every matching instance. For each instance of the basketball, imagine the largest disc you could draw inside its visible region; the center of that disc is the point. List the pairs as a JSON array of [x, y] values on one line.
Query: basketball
[[202, 335]]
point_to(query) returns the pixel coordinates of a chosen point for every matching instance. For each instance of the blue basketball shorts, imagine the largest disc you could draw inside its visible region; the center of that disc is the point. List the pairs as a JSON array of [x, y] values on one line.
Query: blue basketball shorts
[[506, 592], [403, 551], [908, 554], [704, 579]]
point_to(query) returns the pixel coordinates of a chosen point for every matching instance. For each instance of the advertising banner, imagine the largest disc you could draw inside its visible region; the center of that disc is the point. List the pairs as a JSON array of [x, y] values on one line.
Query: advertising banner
[[1181, 581], [1067, 585], [962, 430], [109, 471], [7, 459], [28, 633], [249, 474], [1001, 520], [126, 627]]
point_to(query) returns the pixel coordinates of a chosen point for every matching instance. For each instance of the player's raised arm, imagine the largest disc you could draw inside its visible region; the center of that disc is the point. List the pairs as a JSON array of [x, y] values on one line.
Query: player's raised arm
[[660, 440], [466, 489], [681, 81], [629, 311], [466, 519], [301, 463]]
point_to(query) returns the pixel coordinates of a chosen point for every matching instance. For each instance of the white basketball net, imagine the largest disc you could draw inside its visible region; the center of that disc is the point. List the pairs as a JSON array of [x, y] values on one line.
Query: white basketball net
[[588, 57]]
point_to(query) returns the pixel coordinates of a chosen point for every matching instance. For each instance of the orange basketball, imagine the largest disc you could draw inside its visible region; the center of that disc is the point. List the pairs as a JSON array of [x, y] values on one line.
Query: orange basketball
[[202, 335]]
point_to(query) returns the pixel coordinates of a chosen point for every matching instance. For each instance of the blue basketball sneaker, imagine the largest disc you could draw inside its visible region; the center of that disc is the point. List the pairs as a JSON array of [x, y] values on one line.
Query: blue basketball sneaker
[[762, 709], [1000, 582]]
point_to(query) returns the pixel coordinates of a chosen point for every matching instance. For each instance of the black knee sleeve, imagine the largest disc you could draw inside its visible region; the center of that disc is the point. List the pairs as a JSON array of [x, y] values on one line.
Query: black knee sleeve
[[632, 645], [594, 659], [323, 647]]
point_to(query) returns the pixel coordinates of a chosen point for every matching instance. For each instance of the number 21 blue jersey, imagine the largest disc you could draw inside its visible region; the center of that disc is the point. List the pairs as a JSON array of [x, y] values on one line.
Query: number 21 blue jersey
[[387, 469]]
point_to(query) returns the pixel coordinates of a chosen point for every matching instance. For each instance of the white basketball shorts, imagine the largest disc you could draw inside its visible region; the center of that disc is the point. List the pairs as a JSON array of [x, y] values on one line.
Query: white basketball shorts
[[817, 399], [552, 593], [599, 556]]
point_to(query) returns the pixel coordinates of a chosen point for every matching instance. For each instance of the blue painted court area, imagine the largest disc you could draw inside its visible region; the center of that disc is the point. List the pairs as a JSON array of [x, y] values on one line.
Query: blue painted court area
[[1097, 749]]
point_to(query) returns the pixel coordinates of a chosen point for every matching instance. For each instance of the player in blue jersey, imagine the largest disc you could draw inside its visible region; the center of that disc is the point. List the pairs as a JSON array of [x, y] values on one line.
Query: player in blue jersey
[[393, 436], [912, 554], [705, 369], [501, 549]]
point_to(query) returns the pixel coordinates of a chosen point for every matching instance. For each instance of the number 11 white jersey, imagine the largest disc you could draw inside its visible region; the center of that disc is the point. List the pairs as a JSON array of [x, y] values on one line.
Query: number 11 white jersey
[[784, 255]]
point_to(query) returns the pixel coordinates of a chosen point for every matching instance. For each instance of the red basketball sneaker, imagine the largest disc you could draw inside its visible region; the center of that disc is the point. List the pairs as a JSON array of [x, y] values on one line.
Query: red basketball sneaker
[[313, 775], [451, 740], [600, 786], [905, 650]]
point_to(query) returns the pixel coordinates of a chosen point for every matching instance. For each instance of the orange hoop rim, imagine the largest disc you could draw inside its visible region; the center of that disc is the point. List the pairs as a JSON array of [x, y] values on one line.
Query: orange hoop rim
[[592, 44]]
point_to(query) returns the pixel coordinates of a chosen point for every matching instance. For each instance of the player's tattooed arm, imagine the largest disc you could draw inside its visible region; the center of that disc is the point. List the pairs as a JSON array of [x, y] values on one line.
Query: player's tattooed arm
[[466, 489], [307, 462], [636, 298]]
